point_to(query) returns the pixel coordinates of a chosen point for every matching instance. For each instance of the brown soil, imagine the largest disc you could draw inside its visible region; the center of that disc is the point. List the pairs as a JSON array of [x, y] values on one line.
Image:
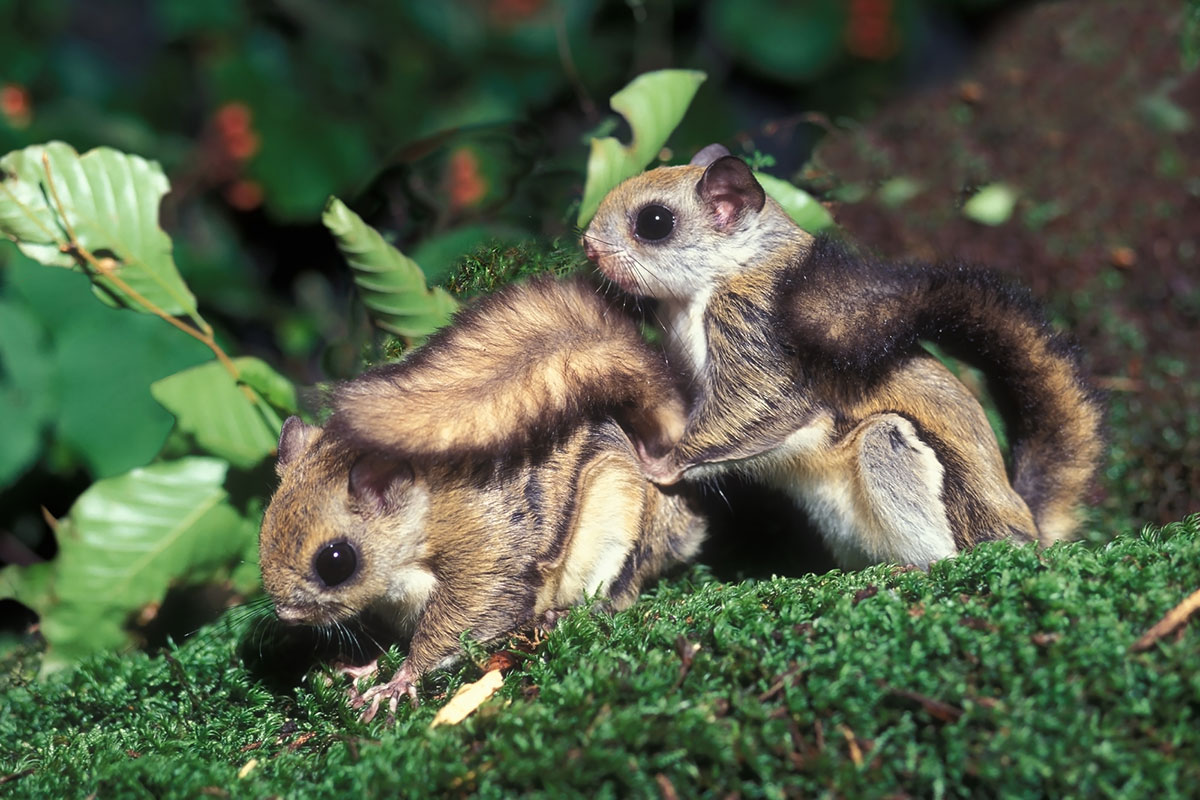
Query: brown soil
[[1085, 108]]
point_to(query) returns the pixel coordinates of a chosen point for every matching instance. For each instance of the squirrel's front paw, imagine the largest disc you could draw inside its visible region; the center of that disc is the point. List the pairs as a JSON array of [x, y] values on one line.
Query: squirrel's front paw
[[402, 684]]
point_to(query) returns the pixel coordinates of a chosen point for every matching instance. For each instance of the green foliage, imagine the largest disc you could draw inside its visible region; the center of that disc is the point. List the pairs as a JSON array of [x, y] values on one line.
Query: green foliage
[[439, 256], [489, 268], [229, 419], [391, 284], [1164, 114], [124, 542], [94, 365], [1189, 36], [800, 40], [106, 414], [652, 104], [991, 205], [54, 202], [333, 89], [24, 388], [898, 191], [804, 210], [129, 536], [1002, 672]]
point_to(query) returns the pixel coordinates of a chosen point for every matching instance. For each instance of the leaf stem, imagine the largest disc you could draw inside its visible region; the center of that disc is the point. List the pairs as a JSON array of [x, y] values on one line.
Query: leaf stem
[[107, 268]]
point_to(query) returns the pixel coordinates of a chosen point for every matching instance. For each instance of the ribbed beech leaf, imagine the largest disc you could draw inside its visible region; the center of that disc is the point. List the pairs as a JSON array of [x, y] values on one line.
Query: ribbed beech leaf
[[109, 200], [391, 284], [229, 419], [125, 540]]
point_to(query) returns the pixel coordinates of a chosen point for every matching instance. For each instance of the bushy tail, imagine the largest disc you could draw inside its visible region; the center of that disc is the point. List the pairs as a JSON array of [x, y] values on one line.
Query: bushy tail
[[515, 366], [1053, 416]]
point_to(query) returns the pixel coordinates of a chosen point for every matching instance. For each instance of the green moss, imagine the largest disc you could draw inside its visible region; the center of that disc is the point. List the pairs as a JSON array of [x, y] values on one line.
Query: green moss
[[1005, 672], [490, 267]]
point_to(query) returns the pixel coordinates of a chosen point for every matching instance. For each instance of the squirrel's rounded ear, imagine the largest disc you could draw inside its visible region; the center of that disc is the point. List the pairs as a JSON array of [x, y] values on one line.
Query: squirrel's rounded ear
[[295, 438], [708, 155], [655, 426], [379, 482], [729, 189]]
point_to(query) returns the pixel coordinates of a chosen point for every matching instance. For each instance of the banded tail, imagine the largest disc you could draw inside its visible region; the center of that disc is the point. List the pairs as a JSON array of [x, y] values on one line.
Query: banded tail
[[513, 367], [871, 314]]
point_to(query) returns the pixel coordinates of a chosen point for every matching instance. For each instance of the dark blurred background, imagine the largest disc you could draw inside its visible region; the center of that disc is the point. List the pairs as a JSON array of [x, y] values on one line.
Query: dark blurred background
[[459, 124]]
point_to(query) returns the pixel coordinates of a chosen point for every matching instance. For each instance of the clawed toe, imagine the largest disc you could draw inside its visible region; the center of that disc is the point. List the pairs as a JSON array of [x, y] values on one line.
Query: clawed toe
[[401, 685], [355, 673]]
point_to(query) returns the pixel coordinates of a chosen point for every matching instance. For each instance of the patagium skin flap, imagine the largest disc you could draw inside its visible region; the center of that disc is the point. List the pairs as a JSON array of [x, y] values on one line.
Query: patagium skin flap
[[477, 528], [807, 371]]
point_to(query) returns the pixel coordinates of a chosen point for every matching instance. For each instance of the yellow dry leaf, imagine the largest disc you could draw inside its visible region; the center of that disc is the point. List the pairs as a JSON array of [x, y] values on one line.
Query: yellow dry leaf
[[468, 698], [247, 768]]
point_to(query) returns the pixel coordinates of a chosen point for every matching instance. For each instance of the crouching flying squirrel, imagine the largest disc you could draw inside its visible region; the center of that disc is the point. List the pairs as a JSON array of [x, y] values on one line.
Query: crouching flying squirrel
[[485, 480]]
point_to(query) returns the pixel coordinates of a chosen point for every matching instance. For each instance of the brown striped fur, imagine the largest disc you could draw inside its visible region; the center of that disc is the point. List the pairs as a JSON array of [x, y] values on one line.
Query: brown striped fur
[[458, 534], [526, 360], [808, 372]]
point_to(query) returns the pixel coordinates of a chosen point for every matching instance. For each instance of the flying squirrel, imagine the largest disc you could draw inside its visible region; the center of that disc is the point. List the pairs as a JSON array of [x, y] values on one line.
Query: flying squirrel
[[482, 482], [808, 373]]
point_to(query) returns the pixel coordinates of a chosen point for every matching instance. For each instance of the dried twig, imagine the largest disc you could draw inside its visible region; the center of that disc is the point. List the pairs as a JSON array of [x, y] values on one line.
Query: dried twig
[[666, 787], [15, 776], [856, 753], [1173, 619], [938, 709], [687, 653]]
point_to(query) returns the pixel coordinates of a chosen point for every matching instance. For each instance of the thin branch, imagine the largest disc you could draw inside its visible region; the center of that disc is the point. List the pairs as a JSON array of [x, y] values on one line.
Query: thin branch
[[1173, 619]]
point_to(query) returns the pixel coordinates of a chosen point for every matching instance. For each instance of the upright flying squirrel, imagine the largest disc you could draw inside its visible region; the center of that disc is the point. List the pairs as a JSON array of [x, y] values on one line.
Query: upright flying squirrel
[[808, 372], [481, 482]]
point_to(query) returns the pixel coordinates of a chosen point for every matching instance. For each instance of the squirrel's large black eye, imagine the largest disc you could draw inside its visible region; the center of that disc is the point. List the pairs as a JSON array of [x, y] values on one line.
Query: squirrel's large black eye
[[654, 223], [335, 563]]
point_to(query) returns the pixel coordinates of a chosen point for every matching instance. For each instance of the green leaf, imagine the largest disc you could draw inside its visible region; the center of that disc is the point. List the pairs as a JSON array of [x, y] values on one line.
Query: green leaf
[[1163, 114], [653, 104], [29, 585], [270, 385], [104, 363], [228, 418], [99, 363], [897, 191], [125, 540], [26, 400], [991, 205], [801, 206], [392, 285], [109, 201]]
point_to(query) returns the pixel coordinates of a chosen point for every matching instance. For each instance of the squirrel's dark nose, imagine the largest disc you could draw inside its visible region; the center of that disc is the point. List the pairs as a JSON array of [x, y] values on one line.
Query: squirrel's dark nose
[[589, 250]]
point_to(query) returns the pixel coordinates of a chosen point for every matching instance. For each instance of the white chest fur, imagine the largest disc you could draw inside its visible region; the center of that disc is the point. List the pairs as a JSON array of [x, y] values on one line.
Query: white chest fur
[[685, 329]]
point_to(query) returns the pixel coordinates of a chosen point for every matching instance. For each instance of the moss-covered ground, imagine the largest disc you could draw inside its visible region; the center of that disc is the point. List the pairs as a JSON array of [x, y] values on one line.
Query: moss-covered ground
[[1003, 672]]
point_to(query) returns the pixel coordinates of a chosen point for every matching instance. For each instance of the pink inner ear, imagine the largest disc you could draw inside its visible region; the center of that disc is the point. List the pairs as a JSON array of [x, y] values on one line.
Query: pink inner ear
[[369, 479], [379, 481], [725, 211]]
